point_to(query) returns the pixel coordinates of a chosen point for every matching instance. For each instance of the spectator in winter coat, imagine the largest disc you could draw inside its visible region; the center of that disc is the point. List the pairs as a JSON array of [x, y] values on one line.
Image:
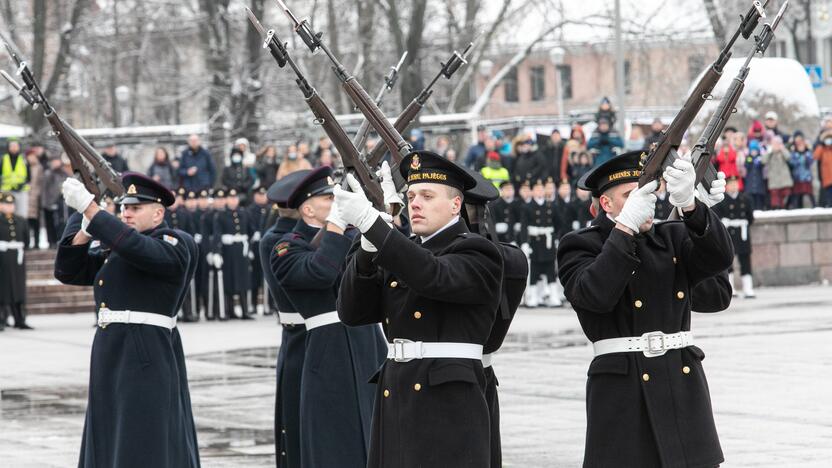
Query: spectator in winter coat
[[770, 124], [605, 142], [236, 176], [755, 184], [494, 170], [779, 174], [726, 159], [553, 154], [118, 163], [573, 147], [477, 150], [196, 168], [656, 133], [823, 154], [35, 187], [267, 166], [756, 132], [605, 112], [801, 162], [161, 170], [51, 200], [636, 140], [294, 161], [583, 163], [528, 165]]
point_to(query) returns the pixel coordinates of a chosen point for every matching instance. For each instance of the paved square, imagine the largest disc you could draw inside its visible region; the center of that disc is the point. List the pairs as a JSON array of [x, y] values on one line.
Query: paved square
[[768, 363]]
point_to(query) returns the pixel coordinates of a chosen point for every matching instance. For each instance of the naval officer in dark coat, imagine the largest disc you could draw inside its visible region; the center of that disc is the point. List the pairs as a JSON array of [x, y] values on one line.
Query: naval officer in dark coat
[[436, 296], [515, 277], [336, 400], [631, 283], [139, 412], [293, 335], [13, 234]]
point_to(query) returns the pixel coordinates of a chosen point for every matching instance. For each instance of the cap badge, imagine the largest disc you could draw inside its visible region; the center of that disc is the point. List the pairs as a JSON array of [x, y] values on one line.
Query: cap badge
[[131, 190], [415, 164], [329, 180]]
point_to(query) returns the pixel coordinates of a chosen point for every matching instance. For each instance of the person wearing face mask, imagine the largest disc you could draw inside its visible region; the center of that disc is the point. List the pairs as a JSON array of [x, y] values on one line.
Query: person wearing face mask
[[237, 177], [294, 161], [630, 281], [823, 154]]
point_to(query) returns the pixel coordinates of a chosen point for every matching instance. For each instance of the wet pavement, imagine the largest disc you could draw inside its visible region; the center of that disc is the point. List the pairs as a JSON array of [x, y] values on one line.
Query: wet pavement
[[768, 365]]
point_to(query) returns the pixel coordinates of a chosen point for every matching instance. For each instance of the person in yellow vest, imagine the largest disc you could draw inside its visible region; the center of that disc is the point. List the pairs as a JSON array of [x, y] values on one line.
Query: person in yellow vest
[[15, 177], [494, 170]]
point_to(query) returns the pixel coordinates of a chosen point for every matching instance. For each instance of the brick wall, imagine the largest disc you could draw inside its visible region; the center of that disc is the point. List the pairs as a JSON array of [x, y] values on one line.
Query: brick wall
[[792, 247]]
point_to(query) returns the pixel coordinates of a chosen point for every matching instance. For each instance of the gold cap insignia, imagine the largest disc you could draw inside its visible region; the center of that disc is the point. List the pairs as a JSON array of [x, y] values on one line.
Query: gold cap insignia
[[329, 180], [642, 159], [131, 190], [415, 164]]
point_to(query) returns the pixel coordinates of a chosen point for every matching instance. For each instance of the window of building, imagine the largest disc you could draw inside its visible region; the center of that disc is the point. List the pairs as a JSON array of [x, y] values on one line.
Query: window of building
[[696, 63], [565, 77], [628, 78], [511, 90], [538, 82]]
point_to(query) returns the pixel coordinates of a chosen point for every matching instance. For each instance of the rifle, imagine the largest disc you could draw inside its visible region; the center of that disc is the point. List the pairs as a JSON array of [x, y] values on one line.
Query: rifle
[[704, 148], [671, 137], [397, 145], [409, 114], [323, 116], [82, 156], [386, 87]]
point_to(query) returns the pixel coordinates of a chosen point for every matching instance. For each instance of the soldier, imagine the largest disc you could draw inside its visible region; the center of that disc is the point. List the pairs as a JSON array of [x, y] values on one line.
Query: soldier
[[630, 283], [508, 213], [580, 208], [177, 216], [138, 411], [737, 214], [515, 276], [14, 233], [231, 237], [336, 400], [436, 296], [257, 214], [201, 278], [541, 225], [216, 297], [565, 208], [293, 336]]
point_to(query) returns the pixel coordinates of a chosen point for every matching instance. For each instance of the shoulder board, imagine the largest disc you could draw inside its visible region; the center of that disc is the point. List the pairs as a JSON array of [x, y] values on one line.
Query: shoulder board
[[594, 227], [170, 239]]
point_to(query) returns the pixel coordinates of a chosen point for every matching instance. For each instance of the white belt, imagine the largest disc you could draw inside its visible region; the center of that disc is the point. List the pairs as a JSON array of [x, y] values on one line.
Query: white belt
[[738, 223], [107, 316], [5, 246], [290, 318], [535, 231], [198, 238], [401, 350], [321, 320], [229, 239], [487, 359], [502, 228], [652, 344]]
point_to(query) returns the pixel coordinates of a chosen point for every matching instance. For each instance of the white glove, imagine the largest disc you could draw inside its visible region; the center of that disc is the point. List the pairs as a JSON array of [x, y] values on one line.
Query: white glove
[[209, 259], [639, 207], [334, 216], [526, 248], [353, 206], [218, 261], [251, 255], [85, 223], [680, 178], [76, 195], [501, 228], [391, 197], [716, 194]]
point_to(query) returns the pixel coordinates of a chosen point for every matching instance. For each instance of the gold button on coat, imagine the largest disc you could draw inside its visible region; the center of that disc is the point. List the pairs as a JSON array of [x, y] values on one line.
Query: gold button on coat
[[680, 295], [686, 370], [386, 393], [645, 377], [417, 315], [393, 284], [103, 305], [674, 260], [101, 282], [417, 387], [638, 304]]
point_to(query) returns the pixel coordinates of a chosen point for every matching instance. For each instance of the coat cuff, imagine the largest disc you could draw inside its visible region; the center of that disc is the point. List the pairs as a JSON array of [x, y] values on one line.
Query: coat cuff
[[697, 220], [107, 228], [378, 232]]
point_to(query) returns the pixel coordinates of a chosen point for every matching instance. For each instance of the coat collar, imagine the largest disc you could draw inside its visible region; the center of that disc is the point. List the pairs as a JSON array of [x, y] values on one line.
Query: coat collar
[[445, 237], [607, 225], [285, 224], [305, 230]]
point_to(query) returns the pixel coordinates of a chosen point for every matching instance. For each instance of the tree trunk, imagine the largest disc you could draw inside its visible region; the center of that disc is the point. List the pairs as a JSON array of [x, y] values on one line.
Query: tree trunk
[[218, 65], [339, 101], [366, 35], [717, 25], [412, 82]]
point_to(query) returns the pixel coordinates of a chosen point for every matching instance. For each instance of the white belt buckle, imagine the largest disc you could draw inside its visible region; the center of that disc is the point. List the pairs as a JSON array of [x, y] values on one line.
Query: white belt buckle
[[399, 351], [655, 344]]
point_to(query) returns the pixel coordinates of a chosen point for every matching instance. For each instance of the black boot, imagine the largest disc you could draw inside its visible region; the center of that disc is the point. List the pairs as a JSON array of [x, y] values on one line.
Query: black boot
[[244, 306], [20, 317]]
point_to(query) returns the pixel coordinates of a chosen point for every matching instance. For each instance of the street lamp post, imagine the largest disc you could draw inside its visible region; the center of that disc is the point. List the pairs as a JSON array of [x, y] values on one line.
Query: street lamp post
[[557, 54]]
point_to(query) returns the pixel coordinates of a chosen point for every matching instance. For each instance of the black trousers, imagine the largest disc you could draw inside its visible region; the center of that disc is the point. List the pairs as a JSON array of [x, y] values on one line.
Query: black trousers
[[34, 233], [745, 263], [53, 220], [538, 269]]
